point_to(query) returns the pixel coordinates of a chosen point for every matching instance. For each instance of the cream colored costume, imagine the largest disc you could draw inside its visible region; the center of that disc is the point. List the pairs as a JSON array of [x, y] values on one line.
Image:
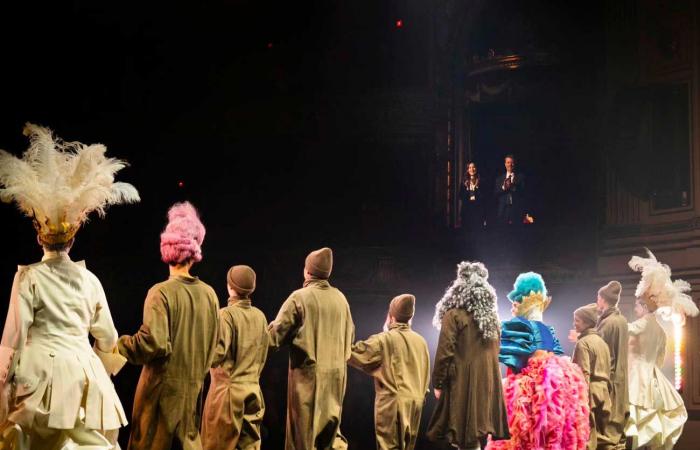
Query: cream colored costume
[[55, 391], [657, 412], [59, 382]]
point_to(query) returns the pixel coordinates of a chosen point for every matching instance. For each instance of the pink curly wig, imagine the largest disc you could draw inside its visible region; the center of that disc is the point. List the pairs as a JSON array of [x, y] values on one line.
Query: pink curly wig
[[181, 241]]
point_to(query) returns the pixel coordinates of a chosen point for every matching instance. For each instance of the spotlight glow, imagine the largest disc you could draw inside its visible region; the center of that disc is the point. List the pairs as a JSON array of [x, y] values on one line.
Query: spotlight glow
[[677, 320], [399, 23]]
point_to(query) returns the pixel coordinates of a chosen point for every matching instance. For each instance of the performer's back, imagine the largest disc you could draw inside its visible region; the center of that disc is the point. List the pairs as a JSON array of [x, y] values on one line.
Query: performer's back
[[58, 304], [176, 345], [192, 319]]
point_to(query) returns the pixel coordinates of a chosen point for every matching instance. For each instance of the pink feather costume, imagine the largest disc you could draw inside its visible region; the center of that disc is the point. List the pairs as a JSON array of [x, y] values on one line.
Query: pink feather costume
[[546, 394], [547, 405]]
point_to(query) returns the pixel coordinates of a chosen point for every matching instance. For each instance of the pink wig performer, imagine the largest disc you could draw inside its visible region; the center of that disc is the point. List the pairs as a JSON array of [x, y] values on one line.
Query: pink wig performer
[[182, 238], [175, 344]]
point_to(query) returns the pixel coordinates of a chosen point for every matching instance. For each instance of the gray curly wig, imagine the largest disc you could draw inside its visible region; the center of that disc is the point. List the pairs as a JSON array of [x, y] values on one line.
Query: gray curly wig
[[472, 292]]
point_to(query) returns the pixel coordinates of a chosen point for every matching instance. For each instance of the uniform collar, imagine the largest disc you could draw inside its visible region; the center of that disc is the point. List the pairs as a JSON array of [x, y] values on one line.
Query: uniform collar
[[184, 279], [50, 254], [400, 326], [609, 312], [316, 282], [587, 332], [240, 302]]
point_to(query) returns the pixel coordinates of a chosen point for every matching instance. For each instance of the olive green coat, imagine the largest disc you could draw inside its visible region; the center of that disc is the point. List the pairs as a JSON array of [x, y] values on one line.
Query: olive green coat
[[235, 407], [176, 346], [612, 327], [592, 355], [398, 360], [466, 370], [315, 322]]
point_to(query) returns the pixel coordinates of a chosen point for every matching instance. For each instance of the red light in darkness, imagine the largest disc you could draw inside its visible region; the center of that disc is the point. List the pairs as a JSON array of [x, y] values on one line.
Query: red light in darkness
[[269, 45], [399, 23], [180, 184]]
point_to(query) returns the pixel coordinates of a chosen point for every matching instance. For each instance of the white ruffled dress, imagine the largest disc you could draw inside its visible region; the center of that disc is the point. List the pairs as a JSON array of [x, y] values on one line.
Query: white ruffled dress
[[657, 411]]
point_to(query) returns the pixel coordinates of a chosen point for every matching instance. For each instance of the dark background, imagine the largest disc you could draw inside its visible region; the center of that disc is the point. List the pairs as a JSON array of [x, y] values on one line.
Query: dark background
[[286, 124]]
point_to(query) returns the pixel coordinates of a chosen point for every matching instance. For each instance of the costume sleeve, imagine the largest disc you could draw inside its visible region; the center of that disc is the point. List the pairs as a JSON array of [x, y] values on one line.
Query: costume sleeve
[[152, 340], [444, 354], [517, 344], [367, 355], [102, 326], [557, 350], [288, 320], [20, 316], [635, 328], [349, 334], [227, 335], [582, 358]]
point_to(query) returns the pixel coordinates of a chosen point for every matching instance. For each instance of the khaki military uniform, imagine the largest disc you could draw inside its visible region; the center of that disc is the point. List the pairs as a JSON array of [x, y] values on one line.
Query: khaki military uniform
[[612, 327], [316, 323], [398, 360], [591, 353], [235, 407], [176, 345]]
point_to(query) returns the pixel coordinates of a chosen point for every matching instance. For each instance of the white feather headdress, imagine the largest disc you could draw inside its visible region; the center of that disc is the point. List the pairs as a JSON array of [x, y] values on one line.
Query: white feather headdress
[[59, 183], [656, 283]]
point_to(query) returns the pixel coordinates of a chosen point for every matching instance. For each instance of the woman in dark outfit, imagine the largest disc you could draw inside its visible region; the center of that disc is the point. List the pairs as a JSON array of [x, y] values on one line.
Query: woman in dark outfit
[[470, 195]]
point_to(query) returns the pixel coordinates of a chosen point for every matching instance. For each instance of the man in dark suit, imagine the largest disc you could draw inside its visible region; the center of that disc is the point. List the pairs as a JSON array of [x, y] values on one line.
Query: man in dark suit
[[509, 190]]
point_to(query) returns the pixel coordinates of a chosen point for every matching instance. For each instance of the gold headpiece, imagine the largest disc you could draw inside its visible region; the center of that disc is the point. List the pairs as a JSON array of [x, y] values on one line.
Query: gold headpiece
[[532, 301], [53, 234]]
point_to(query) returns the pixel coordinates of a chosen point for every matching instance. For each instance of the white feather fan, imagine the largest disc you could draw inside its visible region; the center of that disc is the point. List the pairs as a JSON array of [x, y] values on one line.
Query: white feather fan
[[57, 182]]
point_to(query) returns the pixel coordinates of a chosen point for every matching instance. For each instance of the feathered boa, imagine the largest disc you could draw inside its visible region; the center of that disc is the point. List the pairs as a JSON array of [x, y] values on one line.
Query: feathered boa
[[472, 292]]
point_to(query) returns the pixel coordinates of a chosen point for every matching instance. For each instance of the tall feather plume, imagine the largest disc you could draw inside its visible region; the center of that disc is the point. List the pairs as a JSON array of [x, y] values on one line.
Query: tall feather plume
[[57, 181], [683, 302], [656, 281]]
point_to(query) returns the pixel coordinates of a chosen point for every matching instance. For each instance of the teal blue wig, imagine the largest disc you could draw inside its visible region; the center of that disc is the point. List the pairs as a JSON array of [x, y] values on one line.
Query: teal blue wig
[[526, 283]]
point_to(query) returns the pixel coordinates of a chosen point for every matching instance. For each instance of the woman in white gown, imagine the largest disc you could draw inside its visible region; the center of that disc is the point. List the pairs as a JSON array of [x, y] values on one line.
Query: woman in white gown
[[657, 412]]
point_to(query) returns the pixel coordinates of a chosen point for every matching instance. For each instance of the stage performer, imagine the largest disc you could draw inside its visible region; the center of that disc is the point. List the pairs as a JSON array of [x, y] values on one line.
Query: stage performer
[[176, 342], [466, 376], [398, 360], [592, 355], [546, 394], [234, 409], [316, 323], [55, 392], [612, 327], [657, 412]]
